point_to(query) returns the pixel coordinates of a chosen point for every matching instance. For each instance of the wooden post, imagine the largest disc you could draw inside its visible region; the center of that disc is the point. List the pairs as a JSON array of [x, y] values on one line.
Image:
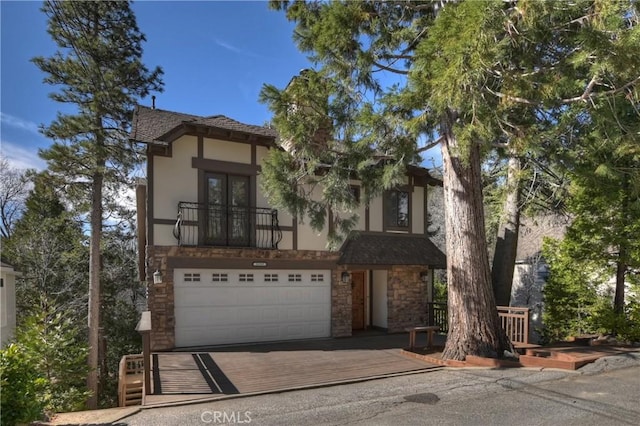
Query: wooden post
[[144, 328], [141, 208]]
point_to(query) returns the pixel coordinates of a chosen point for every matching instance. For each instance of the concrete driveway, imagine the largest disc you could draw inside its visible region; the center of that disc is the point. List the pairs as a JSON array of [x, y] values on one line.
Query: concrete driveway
[[204, 373]]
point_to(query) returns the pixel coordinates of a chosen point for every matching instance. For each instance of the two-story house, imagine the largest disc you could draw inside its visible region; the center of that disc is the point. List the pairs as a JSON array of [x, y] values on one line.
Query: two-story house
[[225, 267]]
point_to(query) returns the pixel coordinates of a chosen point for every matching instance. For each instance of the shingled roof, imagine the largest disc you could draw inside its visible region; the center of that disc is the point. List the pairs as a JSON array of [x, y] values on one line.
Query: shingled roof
[[383, 248], [152, 125], [534, 230]]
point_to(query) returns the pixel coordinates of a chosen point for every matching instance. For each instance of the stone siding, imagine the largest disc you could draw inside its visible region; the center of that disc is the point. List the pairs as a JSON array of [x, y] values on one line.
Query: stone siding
[[341, 306], [406, 298]]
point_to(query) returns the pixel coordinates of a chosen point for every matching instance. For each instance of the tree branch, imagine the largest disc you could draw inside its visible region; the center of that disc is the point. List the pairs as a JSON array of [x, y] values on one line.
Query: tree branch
[[589, 95], [430, 145], [513, 98], [393, 70], [585, 96]]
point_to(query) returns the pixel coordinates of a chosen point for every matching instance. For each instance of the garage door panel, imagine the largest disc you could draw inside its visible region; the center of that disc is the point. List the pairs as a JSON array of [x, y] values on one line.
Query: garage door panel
[[192, 336], [226, 307], [200, 316], [296, 331], [205, 296], [271, 314], [319, 313], [271, 332], [319, 328]]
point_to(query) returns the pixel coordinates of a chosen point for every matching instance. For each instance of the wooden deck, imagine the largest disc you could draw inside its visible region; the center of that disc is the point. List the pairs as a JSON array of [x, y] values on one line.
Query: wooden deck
[[205, 373], [562, 356]]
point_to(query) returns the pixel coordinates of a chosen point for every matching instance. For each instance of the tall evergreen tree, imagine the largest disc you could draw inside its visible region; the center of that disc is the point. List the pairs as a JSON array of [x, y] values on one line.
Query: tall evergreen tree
[[468, 75], [99, 71], [48, 247], [605, 193]]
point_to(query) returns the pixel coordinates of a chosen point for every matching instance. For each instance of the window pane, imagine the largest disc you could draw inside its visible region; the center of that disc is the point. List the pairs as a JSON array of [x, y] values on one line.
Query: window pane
[[239, 222], [239, 191], [397, 209], [215, 227], [403, 209], [216, 190]]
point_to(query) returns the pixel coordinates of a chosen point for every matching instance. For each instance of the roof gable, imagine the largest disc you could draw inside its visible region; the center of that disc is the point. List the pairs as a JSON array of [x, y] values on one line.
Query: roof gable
[[151, 125]]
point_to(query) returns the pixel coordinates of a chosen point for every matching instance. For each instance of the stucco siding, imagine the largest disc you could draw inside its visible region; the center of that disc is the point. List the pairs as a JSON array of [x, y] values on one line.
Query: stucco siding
[[417, 210], [163, 235], [174, 178], [308, 238], [375, 214], [379, 299], [287, 241], [261, 153], [234, 152]]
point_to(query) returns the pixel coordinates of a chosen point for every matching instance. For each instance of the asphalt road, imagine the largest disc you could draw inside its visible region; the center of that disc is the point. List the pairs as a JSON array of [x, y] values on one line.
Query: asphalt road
[[603, 393]]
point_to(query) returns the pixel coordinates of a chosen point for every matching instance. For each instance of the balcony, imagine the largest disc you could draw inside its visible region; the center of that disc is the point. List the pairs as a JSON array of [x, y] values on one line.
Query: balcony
[[216, 225]]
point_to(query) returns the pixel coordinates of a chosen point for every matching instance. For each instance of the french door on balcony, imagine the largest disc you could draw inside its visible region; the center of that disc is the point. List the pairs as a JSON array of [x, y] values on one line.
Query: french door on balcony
[[228, 221]]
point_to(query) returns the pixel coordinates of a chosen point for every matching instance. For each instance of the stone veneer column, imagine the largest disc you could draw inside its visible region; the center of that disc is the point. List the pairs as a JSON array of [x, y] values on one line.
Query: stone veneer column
[[406, 298], [161, 301], [341, 306]]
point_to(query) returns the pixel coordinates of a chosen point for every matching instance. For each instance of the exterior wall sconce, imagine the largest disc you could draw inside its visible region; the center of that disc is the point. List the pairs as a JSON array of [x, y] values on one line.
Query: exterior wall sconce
[[345, 277], [424, 276], [157, 277]]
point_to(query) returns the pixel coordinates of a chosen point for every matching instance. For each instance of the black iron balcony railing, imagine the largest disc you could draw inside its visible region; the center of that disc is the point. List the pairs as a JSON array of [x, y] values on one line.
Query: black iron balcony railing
[[202, 224]]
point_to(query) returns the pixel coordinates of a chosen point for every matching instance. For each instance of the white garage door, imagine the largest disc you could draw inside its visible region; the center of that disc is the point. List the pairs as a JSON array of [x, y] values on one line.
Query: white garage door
[[214, 307]]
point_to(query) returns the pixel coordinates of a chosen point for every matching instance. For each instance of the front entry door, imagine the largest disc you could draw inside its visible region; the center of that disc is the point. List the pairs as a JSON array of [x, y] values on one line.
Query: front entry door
[[357, 300]]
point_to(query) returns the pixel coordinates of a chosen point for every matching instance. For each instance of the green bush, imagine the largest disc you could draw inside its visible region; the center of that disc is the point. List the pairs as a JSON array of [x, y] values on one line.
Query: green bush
[[572, 304], [44, 370], [624, 325], [569, 294], [21, 386], [52, 339]]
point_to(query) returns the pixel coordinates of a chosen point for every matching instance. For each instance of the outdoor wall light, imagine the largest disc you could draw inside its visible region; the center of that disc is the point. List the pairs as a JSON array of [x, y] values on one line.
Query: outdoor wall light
[[424, 276], [345, 277], [157, 277]]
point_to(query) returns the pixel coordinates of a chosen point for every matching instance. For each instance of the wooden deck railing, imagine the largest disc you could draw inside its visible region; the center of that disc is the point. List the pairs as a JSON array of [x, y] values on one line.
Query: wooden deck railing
[[437, 315], [514, 320], [130, 379]]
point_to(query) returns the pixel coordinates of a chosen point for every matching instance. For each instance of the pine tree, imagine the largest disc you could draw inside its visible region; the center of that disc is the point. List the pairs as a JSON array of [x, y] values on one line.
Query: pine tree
[[48, 247], [98, 70], [605, 193], [467, 75]]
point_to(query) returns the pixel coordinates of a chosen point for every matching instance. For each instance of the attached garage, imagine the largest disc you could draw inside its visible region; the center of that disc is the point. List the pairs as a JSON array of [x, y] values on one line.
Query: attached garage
[[215, 307]]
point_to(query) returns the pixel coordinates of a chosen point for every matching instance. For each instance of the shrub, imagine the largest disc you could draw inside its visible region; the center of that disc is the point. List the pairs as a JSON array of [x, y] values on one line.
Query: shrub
[[52, 339], [21, 386]]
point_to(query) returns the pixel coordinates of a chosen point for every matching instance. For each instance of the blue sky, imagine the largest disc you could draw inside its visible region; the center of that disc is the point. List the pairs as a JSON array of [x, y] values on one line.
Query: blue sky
[[216, 56]]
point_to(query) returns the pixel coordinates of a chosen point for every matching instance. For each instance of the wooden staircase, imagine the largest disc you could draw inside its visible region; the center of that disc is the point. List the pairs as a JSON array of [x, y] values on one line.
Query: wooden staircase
[[130, 380]]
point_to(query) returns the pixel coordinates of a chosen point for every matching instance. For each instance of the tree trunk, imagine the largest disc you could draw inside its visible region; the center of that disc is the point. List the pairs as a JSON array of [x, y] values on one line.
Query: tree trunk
[[504, 257], [474, 326], [94, 288], [621, 272], [621, 261]]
